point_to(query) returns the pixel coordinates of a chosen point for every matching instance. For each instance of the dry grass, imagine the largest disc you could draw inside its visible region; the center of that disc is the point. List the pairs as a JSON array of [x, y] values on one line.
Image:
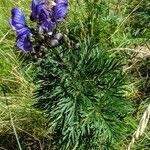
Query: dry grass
[[141, 127]]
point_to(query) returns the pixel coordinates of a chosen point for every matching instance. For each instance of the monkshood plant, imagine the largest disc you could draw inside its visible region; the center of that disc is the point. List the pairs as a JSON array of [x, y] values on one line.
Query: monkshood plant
[[82, 89]]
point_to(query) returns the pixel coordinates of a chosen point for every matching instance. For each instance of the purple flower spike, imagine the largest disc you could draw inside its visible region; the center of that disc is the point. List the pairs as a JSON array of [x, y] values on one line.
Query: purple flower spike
[[18, 24], [60, 10]]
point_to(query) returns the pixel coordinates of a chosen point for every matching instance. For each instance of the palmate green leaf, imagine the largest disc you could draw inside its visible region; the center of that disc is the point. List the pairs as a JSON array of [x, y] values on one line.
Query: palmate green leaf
[[83, 94]]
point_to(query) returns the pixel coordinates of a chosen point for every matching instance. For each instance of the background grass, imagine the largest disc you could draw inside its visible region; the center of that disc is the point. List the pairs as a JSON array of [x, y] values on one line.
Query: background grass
[[16, 79], [114, 31]]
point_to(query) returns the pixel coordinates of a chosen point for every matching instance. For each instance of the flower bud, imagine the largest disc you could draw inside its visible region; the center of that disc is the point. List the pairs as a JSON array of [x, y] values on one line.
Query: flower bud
[[34, 56], [41, 54], [43, 48], [67, 31], [42, 37], [58, 36], [54, 43], [32, 38], [76, 46]]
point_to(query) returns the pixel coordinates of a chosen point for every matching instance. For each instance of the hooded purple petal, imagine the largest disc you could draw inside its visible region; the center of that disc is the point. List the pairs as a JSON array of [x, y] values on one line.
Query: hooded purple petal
[[17, 20], [18, 23], [23, 31], [36, 8], [60, 10], [23, 39], [45, 21], [24, 43], [47, 26]]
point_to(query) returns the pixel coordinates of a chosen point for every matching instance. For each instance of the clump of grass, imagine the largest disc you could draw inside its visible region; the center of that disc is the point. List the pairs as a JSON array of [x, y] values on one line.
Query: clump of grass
[[141, 127]]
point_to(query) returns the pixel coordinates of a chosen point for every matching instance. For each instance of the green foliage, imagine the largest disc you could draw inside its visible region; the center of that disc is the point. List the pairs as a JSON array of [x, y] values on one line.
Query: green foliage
[[83, 94], [140, 19]]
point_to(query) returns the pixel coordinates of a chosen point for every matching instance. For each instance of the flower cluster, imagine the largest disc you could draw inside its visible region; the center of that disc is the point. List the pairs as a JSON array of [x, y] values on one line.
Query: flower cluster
[[45, 13], [48, 13]]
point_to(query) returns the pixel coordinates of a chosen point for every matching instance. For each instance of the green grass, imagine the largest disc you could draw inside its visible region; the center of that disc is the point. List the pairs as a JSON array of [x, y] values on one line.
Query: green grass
[[16, 78], [110, 32]]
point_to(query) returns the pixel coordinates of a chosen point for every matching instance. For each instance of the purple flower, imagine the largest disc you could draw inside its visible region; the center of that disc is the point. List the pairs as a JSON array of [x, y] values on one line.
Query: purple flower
[[36, 8], [45, 20], [17, 20], [42, 15], [18, 24], [23, 42], [60, 10], [48, 13]]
